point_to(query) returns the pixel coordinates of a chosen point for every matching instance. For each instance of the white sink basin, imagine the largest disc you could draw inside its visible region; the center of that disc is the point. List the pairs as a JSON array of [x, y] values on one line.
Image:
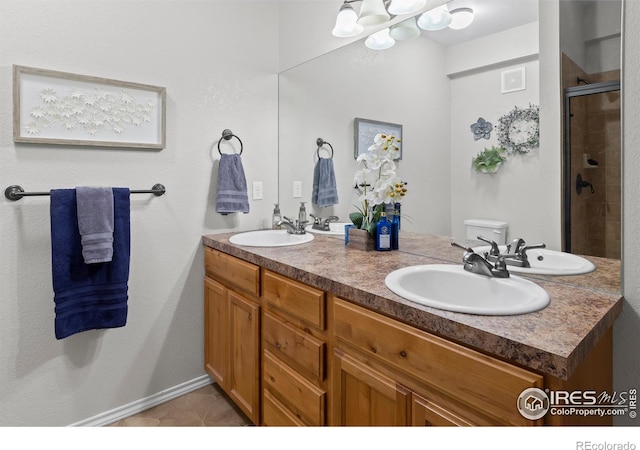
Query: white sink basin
[[547, 262], [335, 229], [270, 238], [452, 288]]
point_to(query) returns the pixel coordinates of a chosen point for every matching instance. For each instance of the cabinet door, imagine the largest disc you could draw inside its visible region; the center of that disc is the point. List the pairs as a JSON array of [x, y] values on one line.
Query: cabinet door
[[216, 332], [427, 413], [366, 397], [244, 335]]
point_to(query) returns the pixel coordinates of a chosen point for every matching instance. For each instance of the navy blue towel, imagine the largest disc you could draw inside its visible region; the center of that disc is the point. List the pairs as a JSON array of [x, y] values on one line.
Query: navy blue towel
[[88, 296]]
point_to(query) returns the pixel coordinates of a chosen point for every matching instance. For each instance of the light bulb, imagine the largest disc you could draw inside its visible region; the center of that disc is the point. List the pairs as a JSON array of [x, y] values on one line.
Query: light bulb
[[346, 25], [461, 18], [380, 40], [436, 19]]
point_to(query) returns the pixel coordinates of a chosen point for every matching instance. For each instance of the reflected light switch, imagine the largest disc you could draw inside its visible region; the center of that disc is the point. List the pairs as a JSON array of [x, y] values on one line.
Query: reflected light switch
[[297, 189]]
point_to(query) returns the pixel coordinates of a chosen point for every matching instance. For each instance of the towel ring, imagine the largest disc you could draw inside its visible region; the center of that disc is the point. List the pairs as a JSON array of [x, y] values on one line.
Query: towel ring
[[320, 142], [227, 135]]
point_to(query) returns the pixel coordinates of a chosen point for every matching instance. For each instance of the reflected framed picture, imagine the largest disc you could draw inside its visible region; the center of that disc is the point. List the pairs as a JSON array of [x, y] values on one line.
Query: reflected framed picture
[[51, 107], [365, 131]]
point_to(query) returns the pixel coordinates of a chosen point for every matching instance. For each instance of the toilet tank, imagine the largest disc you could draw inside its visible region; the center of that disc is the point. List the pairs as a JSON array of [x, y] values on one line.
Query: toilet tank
[[490, 229]]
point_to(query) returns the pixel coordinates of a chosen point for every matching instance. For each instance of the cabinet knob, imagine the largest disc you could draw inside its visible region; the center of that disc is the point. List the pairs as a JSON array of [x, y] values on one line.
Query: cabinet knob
[[277, 344], [403, 354], [374, 350]]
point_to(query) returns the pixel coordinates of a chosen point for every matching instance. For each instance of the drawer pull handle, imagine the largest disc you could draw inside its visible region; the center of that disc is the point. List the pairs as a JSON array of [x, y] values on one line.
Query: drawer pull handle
[[403, 354]]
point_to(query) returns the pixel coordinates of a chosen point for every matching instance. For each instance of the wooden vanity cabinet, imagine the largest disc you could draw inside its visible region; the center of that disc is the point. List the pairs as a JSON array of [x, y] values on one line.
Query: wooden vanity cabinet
[[232, 329], [417, 377], [289, 354], [294, 342]]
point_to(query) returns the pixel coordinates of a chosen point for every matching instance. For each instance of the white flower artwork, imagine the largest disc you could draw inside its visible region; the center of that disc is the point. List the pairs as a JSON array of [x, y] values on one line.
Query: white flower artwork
[[63, 108], [96, 111]]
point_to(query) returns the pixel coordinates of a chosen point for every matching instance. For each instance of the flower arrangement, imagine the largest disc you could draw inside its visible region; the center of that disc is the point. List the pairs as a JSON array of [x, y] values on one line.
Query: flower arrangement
[[489, 160], [376, 181]]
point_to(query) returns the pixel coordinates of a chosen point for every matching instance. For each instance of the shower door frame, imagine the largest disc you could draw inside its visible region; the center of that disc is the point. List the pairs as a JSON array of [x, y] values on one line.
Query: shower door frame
[[569, 185]]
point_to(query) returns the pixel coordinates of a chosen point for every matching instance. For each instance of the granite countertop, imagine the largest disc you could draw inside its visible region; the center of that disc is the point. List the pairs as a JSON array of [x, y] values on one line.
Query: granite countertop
[[553, 341]]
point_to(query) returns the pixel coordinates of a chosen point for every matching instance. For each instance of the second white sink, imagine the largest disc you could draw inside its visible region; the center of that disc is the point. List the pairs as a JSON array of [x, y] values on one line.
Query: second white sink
[[335, 229], [270, 238], [544, 261], [452, 288]]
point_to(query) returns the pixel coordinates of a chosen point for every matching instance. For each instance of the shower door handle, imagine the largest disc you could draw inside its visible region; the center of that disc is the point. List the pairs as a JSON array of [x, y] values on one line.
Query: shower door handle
[[580, 183]]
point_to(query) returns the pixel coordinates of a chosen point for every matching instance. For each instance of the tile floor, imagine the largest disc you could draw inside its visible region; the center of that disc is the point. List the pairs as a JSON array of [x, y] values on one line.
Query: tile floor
[[206, 407]]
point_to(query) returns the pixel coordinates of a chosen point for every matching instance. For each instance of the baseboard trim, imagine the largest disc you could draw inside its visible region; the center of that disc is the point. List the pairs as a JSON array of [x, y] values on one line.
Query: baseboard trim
[[143, 404]]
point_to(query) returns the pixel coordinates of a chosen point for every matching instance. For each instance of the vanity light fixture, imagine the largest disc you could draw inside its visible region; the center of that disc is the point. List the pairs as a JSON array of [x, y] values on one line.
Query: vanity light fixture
[[346, 25], [436, 19], [380, 40], [461, 18]]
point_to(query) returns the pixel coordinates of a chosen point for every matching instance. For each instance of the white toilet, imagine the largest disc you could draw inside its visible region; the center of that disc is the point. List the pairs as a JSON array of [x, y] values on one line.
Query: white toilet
[[494, 230]]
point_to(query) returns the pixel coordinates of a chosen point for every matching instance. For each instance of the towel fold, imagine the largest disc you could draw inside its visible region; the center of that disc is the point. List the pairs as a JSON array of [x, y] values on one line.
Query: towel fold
[[232, 195], [95, 222], [88, 296], [324, 191]]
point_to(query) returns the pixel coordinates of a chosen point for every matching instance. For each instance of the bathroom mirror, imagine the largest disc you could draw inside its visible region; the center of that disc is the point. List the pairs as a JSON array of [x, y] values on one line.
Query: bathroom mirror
[[437, 86]]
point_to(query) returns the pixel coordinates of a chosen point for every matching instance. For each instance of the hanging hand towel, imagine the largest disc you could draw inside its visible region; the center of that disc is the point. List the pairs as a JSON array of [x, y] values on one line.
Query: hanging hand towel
[[324, 192], [95, 222], [88, 296], [231, 196]]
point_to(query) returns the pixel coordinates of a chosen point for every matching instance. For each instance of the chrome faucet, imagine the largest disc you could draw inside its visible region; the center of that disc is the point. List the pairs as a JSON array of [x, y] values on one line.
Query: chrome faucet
[[323, 224], [517, 253], [291, 226], [475, 263]]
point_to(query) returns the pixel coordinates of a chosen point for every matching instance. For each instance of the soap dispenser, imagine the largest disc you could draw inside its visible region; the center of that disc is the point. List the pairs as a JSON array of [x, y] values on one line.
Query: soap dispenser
[[302, 215], [383, 233], [276, 217]]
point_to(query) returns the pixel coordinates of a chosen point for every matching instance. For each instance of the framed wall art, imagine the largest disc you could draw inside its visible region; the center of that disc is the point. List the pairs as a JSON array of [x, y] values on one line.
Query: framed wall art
[[51, 107], [365, 131]]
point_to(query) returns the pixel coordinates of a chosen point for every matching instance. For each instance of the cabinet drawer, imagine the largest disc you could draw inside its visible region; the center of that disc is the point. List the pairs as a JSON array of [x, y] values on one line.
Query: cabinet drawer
[[300, 348], [275, 414], [297, 299], [303, 398], [477, 380], [238, 273]]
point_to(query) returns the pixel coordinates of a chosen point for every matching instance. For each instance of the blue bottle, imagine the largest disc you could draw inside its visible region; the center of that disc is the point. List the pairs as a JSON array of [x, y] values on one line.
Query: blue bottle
[[395, 228], [383, 234]]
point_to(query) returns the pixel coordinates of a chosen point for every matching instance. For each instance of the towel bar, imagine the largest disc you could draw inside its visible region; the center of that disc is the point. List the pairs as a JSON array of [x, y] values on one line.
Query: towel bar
[[15, 192]]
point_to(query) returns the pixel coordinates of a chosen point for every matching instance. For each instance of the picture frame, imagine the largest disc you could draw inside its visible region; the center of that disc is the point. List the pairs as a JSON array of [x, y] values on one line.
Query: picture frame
[[52, 107], [365, 131]]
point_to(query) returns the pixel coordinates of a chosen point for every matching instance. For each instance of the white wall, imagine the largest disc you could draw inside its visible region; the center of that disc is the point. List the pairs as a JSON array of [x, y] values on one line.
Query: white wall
[[215, 79], [626, 329], [403, 85], [515, 194]]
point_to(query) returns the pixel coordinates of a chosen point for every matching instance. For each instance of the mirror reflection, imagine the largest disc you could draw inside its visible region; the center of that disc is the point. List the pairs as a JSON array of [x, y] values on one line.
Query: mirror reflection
[[438, 87]]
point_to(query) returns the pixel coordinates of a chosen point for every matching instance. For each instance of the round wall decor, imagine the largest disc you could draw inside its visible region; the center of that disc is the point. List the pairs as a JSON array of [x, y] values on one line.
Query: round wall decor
[[519, 131]]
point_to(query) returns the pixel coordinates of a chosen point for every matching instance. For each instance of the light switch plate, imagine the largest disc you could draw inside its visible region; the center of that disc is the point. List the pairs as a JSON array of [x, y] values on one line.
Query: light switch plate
[[297, 189], [258, 191]]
